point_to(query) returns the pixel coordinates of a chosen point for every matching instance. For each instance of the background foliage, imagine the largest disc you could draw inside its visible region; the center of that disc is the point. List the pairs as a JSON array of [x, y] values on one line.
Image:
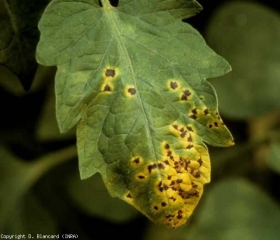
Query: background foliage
[[40, 188]]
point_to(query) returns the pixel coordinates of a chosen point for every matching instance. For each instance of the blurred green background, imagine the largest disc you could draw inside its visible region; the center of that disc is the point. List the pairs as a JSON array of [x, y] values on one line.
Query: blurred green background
[[40, 188]]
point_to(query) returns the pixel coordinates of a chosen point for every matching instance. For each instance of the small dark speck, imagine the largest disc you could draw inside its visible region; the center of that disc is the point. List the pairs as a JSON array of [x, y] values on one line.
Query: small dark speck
[[163, 204], [216, 124]]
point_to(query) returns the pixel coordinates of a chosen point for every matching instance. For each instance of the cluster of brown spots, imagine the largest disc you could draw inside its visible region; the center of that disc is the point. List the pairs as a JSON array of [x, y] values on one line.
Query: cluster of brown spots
[[108, 75], [214, 124], [174, 85], [195, 173], [184, 132], [132, 91], [155, 166], [193, 192], [180, 181], [194, 114], [185, 95]]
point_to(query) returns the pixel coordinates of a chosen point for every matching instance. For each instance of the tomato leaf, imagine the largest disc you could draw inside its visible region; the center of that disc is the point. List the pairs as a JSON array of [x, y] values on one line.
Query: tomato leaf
[[133, 77]]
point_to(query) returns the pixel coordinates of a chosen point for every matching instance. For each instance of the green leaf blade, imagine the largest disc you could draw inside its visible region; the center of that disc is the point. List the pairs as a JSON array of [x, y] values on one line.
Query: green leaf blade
[[139, 95]]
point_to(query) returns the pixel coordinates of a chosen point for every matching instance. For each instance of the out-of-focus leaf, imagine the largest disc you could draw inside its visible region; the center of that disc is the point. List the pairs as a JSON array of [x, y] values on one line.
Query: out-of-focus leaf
[[19, 36], [10, 83], [274, 157], [17, 177], [29, 217], [133, 77], [92, 197], [248, 36], [236, 209]]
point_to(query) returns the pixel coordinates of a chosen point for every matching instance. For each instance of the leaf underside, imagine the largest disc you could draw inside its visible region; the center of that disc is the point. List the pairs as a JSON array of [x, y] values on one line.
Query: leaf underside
[[133, 78]]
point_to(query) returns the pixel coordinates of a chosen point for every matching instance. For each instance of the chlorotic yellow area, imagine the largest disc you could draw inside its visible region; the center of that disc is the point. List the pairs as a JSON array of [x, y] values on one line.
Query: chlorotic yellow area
[[176, 181]]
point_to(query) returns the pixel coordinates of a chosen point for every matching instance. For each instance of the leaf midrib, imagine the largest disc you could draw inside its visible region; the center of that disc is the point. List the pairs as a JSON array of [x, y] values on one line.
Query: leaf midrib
[[113, 20]]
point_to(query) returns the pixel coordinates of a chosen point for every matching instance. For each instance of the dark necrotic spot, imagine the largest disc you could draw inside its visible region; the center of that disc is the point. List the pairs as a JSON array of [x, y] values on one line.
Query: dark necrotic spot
[[161, 166], [190, 129], [194, 111], [136, 160], [195, 173], [173, 85], [169, 177], [155, 207], [187, 93], [190, 146], [190, 138], [166, 146], [141, 177], [206, 111], [107, 88], [183, 134], [200, 161], [173, 198], [161, 189], [163, 204], [184, 97], [129, 195], [166, 162], [132, 91], [114, 3], [193, 116], [175, 126], [110, 73], [210, 125], [151, 167], [179, 180], [216, 124]]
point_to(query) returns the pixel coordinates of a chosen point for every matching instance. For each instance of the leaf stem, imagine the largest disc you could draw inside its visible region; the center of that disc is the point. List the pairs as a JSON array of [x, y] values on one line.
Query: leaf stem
[[49, 161]]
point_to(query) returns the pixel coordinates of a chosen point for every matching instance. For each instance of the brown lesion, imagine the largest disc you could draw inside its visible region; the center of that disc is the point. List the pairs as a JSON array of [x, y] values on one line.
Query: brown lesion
[[107, 88], [110, 72], [186, 94], [129, 196], [132, 91], [174, 85]]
